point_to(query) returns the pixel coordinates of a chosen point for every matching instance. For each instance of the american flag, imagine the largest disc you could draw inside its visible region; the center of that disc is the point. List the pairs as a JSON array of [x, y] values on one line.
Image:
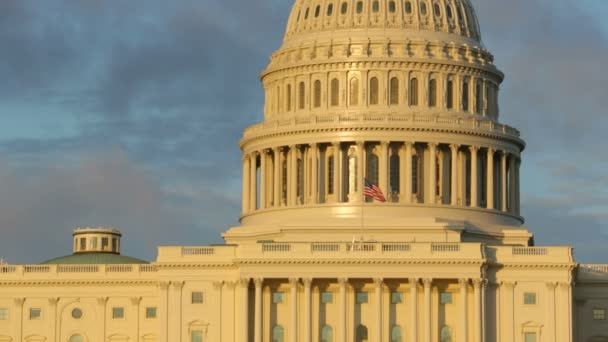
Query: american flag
[[372, 190]]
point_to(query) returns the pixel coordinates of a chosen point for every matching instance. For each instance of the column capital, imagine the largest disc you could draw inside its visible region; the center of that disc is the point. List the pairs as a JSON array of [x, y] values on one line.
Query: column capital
[[378, 281], [163, 285], [135, 300], [414, 282], [307, 282], [102, 300], [491, 150], [432, 144], [360, 143], [253, 154], [177, 284], [463, 282], [385, 143], [218, 285], [504, 153], [258, 282], [343, 281], [230, 284], [409, 143], [551, 285], [313, 145], [19, 301], [565, 284], [473, 149], [53, 301], [244, 282], [454, 147], [294, 281], [508, 284], [335, 144], [428, 282], [477, 283]]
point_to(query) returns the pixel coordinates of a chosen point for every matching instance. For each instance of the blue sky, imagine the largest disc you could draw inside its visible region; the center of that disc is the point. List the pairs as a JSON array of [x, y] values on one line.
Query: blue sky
[[128, 113]]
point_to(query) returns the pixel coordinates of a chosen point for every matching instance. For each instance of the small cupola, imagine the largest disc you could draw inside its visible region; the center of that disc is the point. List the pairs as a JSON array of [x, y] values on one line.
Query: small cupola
[[96, 240]]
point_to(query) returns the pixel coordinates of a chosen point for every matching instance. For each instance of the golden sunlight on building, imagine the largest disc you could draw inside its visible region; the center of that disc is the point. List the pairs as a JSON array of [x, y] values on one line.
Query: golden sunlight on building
[[398, 94]]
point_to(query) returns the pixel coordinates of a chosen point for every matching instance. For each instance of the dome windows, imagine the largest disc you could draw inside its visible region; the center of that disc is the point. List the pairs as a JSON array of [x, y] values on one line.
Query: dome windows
[[354, 92], [437, 9], [465, 95], [408, 7], [376, 6], [423, 8], [433, 93], [301, 95], [344, 8], [317, 94], [359, 7], [448, 11], [450, 94], [306, 13], [76, 313], [394, 92], [413, 92], [317, 11], [373, 91], [335, 92], [392, 6], [330, 10]]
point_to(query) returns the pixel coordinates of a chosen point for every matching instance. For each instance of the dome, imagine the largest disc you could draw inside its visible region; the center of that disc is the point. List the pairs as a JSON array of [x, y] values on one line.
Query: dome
[[94, 259]]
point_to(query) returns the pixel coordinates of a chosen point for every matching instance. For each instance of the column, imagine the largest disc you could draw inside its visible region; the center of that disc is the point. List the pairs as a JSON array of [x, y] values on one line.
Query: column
[[263, 179], [244, 283], [293, 175], [551, 315], [454, 177], [293, 329], [383, 169], [477, 283], [276, 197], [336, 175], [19, 302], [175, 310], [464, 300], [564, 296], [503, 181], [378, 282], [490, 178], [342, 335], [414, 309], [517, 187], [164, 337], [408, 172], [509, 311], [246, 185], [218, 286], [314, 186], [360, 169], [253, 181], [258, 310], [474, 177], [428, 310], [136, 302], [432, 198], [54, 319], [307, 310]]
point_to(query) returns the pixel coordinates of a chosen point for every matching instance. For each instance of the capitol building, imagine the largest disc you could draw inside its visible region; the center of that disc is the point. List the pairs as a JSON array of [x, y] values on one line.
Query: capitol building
[[398, 98]]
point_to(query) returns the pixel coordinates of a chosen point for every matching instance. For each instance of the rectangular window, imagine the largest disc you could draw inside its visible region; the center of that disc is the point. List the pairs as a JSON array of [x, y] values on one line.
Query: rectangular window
[[118, 313], [362, 297], [396, 298], [151, 312], [277, 297], [197, 298], [104, 243], [3, 314], [94, 243], [530, 298], [598, 314], [114, 245], [197, 336], [83, 244], [35, 313], [530, 337], [327, 297], [446, 298]]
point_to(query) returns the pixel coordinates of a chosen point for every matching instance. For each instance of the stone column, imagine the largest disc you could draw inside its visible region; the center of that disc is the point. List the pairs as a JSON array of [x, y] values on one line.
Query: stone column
[[54, 317], [293, 175], [258, 310], [360, 170], [293, 329], [414, 308], [244, 283], [19, 302], [509, 311], [175, 310], [263, 179], [477, 284], [503, 181], [378, 282], [336, 174], [432, 198], [246, 185], [464, 300], [307, 310], [136, 301], [103, 301], [454, 178], [276, 197], [383, 169], [407, 164], [342, 335], [428, 310], [253, 181], [564, 296], [490, 178], [163, 311], [551, 314], [474, 177], [314, 181]]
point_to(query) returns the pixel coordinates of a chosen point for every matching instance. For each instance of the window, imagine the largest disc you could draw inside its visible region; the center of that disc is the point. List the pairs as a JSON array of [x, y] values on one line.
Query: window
[[530, 298], [94, 243], [151, 312], [362, 297], [317, 97], [197, 298], [330, 9], [394, 92], [415, 176], [376, 6], [327, 334], [478, 98], [372, 169], [423, 9], [118, 313], [392, 8], [196, 336], [288, 97], [437, 10], [373, 91], [394, 174], [599, 314], [317, 11], [335, 92], [278, 334], [530, 337], [76, 338], [104, 243], [354, 92], [76, 313], [327, 297], [396, 297], [83, 244], [361, 333], [3, 314], [465, 95], [35, 313], [114, 245], [446, 298], [433, 93], [359, 7], [306, 13], [330, 175], [396, 334], [446, 334], [450, 94], [344, 8], [414, 92], [448, 10], [301, 95], [408, 7], [278, 297]]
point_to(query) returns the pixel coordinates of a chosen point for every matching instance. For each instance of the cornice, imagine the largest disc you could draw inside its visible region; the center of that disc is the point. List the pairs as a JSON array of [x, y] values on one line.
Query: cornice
[[72, 282], [197, 265], [479, 262], [534, 265]]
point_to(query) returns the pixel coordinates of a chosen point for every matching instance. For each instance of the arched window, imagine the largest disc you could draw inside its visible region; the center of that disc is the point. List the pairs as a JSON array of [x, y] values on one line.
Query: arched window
[[335, 92], [284, 179], [288, 97], [478, 98], [450, 94], [327, 334], [396, 334], [446, 334], [373, 91], [330, 175], [465, 95], [423, 9], [278, 333], [372, 171], [408, 7], [437, 10], [415, 173], [392, 7], [330, 9], [376, 6], [301, 95], [362, 333], [76, 338], [317, 11], [354, 92], [433, 93], [394, 93], [344, 8], [306, 13], [414, 92], [448, 10], [300, 179], [394, 174], [317, 92], [359, 7]]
